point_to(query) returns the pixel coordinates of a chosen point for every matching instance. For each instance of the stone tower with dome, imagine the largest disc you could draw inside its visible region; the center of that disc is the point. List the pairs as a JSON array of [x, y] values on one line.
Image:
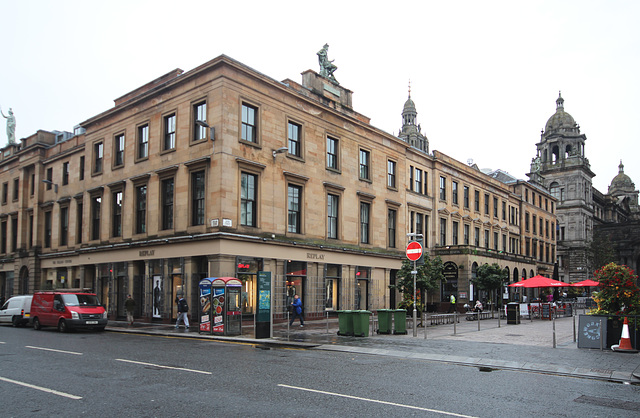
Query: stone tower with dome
[[561, 167], [623, 191], [410, 131]]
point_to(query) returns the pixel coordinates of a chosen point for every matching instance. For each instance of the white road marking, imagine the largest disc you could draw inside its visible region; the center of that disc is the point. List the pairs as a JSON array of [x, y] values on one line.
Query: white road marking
[[55, 392], [54, 350], [164, 367], [377, 401]]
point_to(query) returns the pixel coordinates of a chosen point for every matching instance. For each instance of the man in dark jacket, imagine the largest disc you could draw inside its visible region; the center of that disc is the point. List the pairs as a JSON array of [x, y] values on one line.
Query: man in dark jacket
[[297, 310], [129, 306], [183, 309]]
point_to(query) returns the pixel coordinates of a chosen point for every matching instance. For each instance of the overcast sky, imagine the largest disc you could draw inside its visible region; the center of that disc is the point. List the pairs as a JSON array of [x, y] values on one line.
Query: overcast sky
[[485, 75]]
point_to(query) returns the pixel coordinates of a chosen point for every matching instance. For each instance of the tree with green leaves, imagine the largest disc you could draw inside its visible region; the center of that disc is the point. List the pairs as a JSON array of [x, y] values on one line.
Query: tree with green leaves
[[490, 277], [429, 276]]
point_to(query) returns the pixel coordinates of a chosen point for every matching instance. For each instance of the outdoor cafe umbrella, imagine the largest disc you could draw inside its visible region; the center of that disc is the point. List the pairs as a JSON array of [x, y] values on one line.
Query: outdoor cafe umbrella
[[586, 283], [538, 281]]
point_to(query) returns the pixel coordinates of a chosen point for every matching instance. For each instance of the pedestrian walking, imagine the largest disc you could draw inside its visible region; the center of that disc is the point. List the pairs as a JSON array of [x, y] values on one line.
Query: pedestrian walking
[[129, 306], [297, 311], [183, 310], [452, 299]]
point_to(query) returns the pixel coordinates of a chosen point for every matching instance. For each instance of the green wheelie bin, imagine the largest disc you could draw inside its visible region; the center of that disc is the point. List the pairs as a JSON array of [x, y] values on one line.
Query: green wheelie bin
[[384, 321], [345, 323], [400, 321], [361, 323]]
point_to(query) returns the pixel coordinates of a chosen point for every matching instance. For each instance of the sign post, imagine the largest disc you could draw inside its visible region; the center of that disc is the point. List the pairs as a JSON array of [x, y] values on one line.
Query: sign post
[[414, 252]]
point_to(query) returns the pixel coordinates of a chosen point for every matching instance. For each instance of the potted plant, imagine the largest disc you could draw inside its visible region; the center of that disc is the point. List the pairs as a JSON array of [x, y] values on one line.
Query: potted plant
[[619, 297]]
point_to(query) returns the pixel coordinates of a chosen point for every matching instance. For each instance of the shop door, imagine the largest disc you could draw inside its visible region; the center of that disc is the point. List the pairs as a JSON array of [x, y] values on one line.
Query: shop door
[[362, 295]]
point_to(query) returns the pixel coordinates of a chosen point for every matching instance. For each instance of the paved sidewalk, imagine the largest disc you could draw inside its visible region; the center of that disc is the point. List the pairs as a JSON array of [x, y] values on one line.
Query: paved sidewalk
[[527, 346]]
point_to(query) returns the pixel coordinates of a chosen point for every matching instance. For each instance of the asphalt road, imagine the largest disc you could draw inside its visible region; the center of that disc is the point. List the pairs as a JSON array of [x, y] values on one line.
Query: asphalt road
[[113, 374]]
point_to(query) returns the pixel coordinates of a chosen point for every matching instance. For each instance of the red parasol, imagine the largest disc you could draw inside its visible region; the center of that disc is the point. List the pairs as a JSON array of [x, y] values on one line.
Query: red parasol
[[539, 281], [586, 283]]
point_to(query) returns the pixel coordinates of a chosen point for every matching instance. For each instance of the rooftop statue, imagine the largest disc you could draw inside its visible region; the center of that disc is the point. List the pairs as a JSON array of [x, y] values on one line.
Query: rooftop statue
[[327, 67], [11, 126]]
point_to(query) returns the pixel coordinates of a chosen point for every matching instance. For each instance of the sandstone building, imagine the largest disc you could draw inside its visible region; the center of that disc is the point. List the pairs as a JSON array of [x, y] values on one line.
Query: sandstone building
[[223, 171]]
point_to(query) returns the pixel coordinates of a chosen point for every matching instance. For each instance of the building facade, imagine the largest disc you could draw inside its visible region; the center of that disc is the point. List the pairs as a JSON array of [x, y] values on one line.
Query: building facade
[[223, 171], [562, 168]]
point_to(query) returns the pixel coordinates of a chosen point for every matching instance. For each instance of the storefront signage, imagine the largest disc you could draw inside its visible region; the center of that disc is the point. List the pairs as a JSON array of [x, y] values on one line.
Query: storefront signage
[[315, 256], [62, 261], [147, 253], [450, 271]]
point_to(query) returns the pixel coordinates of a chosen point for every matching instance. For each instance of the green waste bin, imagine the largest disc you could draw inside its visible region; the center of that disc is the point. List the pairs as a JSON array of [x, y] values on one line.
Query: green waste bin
[[361, 323], [400, 321], [384, 321], [345, 323]]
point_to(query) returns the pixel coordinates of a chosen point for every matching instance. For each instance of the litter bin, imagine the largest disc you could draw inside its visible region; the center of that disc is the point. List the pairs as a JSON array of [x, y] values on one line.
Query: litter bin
[[345, 323], [360, 323], [400, 321], [513, 313], [384, 321]]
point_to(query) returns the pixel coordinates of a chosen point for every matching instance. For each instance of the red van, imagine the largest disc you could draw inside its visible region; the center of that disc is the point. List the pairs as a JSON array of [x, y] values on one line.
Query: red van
[[70, 309]]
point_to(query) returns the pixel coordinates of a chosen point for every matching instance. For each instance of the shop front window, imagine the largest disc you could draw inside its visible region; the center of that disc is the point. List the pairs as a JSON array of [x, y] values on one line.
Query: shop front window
[[247, 270], [157, 288], [102, 287], [296, 273], [332, 276]]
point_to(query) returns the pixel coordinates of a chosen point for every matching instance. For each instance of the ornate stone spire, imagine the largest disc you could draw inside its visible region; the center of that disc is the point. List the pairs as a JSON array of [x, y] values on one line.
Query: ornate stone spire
[[410, 131], [560, 102]]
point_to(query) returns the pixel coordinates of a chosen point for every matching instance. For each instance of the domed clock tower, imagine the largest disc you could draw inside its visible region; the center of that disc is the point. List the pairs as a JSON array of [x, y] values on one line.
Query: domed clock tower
[[561, 167]]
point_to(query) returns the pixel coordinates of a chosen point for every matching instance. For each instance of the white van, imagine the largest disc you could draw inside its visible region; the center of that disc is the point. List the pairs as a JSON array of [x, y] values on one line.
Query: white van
[[16, 310]]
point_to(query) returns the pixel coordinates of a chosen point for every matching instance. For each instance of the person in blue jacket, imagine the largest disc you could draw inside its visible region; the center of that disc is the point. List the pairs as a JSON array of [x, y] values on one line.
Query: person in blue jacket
[[297, 310]]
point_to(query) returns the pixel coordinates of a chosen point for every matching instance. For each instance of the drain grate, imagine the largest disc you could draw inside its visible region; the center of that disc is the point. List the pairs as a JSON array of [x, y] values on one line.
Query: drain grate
[[609, 403], [513, 335], [603, 371]]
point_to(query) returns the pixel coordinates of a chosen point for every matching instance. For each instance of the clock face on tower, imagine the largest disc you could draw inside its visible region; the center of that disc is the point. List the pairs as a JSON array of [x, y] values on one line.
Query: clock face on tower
[[591, 330]]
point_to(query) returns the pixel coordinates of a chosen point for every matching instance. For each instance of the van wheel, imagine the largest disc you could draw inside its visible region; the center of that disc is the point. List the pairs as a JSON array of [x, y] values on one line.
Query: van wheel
[[36, 324], [62, 326], [15, 321]]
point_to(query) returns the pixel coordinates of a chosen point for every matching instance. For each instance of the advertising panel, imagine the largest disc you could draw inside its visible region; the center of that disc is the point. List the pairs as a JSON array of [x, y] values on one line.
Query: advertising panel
[[217, 308], [205, 305]]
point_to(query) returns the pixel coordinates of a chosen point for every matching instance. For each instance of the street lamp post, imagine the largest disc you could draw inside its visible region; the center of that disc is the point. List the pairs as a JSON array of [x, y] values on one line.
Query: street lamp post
[[212, 131], [49, 182]]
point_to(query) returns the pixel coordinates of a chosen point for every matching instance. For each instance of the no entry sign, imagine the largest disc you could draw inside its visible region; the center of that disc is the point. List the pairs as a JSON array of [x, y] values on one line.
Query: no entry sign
[[414, 250]]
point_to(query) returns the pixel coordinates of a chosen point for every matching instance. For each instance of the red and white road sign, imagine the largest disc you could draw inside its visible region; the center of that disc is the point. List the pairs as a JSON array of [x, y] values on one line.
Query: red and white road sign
[[414, 250]]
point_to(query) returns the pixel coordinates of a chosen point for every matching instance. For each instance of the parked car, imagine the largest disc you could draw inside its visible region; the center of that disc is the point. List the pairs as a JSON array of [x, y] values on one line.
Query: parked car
[[16, 310], [66, 310]]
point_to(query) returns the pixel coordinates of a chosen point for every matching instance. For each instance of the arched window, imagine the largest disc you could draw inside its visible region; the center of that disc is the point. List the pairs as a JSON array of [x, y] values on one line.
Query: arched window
[[515, 275], [555, 154], [567, 151]]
